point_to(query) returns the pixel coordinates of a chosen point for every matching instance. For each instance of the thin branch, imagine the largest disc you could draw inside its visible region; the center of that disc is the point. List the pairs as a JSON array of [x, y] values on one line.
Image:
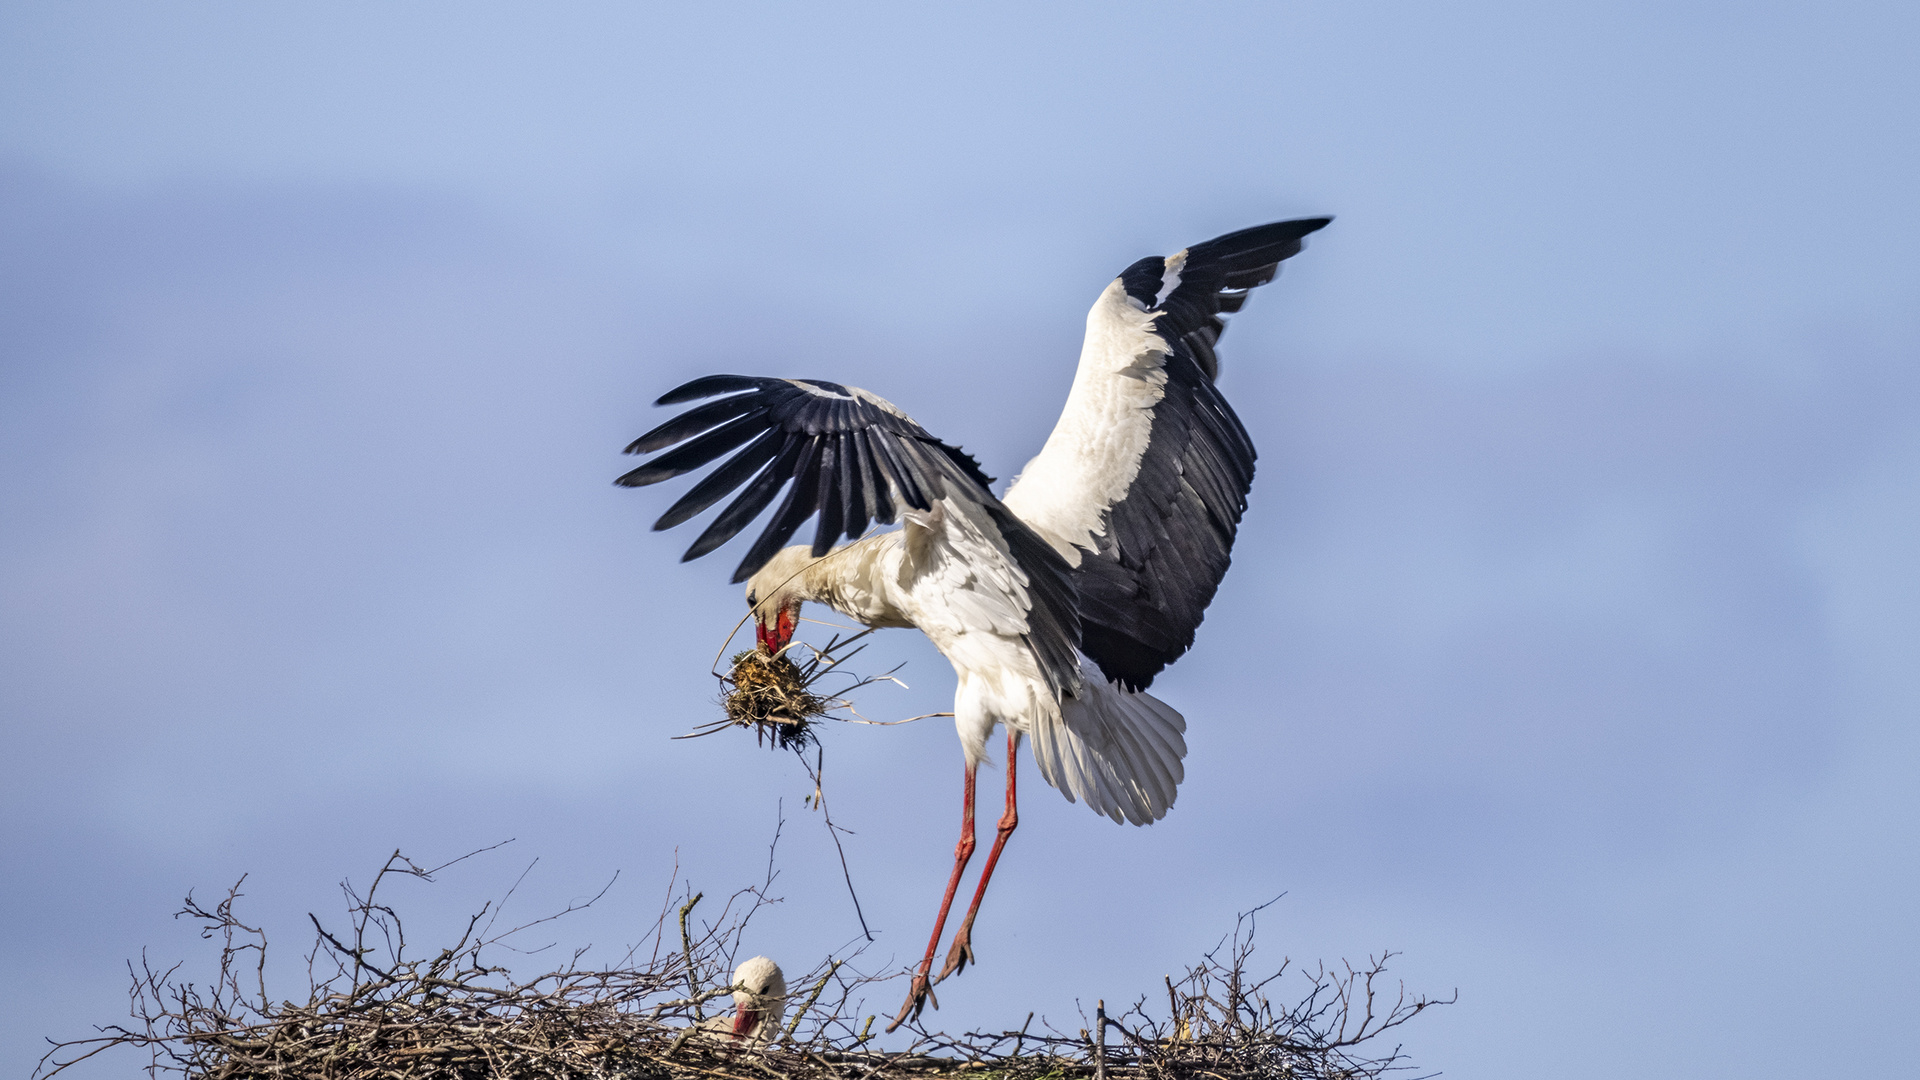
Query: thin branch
[[686, 947], [820, 799]]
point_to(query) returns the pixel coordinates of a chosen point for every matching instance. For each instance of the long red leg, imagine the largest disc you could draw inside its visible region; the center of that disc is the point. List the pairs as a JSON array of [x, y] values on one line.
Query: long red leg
[[962, 852], [962, 952]]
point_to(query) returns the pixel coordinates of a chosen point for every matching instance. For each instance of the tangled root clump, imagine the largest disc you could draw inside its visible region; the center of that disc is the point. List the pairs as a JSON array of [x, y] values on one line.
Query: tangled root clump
[[771, 695], [781, 698]]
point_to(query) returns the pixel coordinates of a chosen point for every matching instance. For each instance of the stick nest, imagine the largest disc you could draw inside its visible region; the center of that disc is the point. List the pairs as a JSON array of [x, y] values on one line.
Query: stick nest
[[377, 1008]]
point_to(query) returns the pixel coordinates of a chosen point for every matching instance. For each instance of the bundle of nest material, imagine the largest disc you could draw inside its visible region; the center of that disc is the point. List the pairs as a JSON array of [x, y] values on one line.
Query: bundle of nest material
[[448, 1016], [771, 695], [781, 699]]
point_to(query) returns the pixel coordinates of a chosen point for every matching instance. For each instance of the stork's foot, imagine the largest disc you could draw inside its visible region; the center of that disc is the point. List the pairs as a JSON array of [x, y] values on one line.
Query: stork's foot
[[918, 995], [961, 954]]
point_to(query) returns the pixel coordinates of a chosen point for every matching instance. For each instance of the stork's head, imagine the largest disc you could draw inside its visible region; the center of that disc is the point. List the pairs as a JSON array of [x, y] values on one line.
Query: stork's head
[[761, 1002], [774, 593]]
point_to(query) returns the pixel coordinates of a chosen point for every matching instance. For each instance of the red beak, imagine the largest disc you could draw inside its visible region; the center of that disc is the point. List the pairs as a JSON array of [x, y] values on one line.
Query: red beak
[[743, 1021], [775, 639]]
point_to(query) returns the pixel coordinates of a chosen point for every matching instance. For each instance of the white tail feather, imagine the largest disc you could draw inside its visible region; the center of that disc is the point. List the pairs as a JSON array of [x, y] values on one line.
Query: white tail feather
[[1119, 751]]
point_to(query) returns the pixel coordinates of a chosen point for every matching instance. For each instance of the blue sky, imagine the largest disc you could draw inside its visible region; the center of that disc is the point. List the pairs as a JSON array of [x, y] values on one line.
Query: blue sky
[[1569, 645]]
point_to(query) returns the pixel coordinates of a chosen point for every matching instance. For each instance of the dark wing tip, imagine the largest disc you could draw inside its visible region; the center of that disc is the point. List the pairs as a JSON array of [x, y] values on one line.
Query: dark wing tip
[[1245, 249], [709, 385], [969, 465], [639, 477], [1292, 227]]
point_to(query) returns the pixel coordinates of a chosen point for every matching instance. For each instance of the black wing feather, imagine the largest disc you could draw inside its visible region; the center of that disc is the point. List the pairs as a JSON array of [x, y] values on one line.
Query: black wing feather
[[717, 484], [850, 458], [691, 423], [695, 453], [853, 497], [830, 499], [707, 386], [901, 476], [1215, 278], [879, 495], [795, 508], [754, 499]]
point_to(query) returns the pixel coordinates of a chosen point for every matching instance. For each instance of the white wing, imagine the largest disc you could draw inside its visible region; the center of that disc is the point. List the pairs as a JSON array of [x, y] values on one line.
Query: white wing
[[1142, 483]]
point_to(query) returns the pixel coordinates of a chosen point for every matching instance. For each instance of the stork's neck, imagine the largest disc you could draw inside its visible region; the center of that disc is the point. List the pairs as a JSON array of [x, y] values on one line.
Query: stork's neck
[[855, 581]]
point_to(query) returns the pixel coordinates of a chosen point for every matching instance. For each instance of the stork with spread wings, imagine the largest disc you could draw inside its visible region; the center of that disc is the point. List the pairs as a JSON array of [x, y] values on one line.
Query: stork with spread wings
[[1058, 603]]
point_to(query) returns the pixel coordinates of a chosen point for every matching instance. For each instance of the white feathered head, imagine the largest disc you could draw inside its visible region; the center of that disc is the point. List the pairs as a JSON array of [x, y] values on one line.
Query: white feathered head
[[760, 1003]]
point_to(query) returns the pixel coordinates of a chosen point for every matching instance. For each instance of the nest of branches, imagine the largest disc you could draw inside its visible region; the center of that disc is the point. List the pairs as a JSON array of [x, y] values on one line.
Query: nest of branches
[[377, 1009], [781, 699]]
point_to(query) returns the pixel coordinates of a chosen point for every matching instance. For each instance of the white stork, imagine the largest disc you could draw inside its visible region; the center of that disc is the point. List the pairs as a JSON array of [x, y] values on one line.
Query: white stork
[[1058, 602], [759, 1005]]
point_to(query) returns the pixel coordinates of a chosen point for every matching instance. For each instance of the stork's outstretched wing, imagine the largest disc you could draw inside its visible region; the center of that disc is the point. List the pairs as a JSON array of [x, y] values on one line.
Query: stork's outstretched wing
[[1144, 479], [852, 457]]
